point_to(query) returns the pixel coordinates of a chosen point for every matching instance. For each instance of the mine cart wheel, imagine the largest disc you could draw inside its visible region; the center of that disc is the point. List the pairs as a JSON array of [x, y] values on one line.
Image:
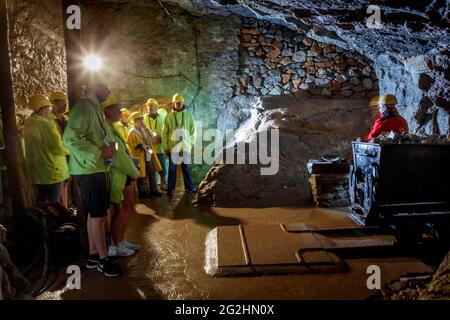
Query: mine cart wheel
[[408, 233], [368, 193], [352, 178], [375, 172]]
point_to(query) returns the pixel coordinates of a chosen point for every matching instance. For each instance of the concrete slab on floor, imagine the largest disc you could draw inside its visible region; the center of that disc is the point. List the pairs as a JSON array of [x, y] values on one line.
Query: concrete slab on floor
[[270, 248]]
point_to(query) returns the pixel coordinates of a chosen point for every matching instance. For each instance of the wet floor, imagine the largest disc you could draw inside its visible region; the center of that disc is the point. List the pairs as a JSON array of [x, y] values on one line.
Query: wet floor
[[170, 263]]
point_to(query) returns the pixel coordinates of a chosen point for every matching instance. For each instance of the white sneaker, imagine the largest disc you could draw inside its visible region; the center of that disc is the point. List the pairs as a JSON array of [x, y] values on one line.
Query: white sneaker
[[119, 251], [112, 251], [129, 245]]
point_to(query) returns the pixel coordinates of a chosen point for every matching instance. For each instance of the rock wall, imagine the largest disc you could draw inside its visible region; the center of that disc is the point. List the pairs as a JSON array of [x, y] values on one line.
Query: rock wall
[[409, 47], [421, 84], [38, 60], [308, 128], [156, 50], [151, 52], [276, 60]]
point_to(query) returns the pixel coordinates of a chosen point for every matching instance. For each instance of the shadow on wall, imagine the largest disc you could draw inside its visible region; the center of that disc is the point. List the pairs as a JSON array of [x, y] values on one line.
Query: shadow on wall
[[308, 128]]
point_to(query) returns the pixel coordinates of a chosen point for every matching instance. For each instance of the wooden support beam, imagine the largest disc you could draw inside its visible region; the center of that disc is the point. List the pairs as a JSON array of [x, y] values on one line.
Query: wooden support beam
[[14, 156], [72, 41]]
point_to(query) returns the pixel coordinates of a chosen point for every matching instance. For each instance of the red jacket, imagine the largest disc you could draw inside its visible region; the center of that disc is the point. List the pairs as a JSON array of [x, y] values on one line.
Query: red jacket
[[394, 123]]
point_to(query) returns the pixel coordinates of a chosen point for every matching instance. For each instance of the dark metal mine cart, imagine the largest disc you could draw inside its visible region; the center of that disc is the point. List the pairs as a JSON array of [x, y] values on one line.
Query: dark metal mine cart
[[404, 186]]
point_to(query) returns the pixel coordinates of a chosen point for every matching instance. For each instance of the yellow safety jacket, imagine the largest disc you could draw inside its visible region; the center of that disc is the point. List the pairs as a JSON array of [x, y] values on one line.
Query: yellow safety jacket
[[122, 129], [45, 154], [134, 140], [157, 126], [60, 123]]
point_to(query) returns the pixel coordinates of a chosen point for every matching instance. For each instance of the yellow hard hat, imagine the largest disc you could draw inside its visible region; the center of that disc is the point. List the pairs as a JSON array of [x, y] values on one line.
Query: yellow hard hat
[[58, 95], [374, 101], [388, 99], [39, 101], [110, 101], [135, 115], [151, 101], [177, 98], [125, 111]]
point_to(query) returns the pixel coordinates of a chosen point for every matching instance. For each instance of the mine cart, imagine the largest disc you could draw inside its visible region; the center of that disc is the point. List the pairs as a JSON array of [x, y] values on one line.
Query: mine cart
[[405, 186]]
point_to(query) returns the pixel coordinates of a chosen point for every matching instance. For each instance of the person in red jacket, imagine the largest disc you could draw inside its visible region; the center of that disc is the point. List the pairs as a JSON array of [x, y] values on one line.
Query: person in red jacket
[[388, 119]]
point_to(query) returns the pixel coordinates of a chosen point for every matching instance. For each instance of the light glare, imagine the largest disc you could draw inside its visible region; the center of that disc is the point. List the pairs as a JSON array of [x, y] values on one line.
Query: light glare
[[93, 62]]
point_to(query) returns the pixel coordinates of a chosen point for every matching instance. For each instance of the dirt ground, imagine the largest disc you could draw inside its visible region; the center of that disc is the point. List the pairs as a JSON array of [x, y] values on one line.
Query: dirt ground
[[170, 264]]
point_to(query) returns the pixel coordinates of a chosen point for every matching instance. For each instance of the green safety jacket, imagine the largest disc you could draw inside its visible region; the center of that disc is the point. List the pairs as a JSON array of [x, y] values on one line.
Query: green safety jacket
[[45, 154], [123, 167], [85, 135], [179, 120], [157, 126]]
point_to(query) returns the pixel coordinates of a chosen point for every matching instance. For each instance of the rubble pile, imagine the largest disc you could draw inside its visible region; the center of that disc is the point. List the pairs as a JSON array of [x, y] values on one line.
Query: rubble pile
[[396, 138], [405, 288], [439, 287], [419, 287]]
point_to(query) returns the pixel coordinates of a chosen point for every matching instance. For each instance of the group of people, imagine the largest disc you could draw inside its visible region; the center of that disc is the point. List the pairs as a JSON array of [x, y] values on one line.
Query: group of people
[[106, 152]]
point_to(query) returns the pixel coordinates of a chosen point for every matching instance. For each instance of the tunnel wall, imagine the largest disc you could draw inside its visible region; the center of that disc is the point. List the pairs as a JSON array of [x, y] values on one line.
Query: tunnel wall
[[38, 61], [308, 127], [152, 51], [421, 86], [276, 60]]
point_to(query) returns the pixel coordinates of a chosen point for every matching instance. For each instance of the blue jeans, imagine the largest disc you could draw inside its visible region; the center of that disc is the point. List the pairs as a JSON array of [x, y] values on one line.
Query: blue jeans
[[163, 174], [185, 168]]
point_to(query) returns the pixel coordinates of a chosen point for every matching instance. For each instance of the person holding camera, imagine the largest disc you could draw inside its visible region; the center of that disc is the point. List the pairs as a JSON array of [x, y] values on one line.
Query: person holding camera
[[140, 141]]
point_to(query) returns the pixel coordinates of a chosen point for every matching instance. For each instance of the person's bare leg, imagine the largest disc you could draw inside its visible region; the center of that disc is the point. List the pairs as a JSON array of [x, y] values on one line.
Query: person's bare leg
[[97, 233], [65, 195], [127, 210], [92, 249]]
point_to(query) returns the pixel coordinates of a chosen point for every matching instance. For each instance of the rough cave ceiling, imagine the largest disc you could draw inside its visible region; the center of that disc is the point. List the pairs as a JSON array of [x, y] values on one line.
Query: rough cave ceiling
[[408, 28], [409, 51], [411, 45]]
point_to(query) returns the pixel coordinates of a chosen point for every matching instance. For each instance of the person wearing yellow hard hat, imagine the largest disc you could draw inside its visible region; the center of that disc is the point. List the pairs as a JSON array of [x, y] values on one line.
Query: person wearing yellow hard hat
[[140, 140], [154, 121], [92, 152], [123, 125], [59, 102], [123, 172], [45, 154], [179, 136], [388, 118]]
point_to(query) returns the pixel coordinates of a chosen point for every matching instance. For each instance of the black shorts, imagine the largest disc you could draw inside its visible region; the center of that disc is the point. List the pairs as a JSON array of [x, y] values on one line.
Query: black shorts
[[94, 191]]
